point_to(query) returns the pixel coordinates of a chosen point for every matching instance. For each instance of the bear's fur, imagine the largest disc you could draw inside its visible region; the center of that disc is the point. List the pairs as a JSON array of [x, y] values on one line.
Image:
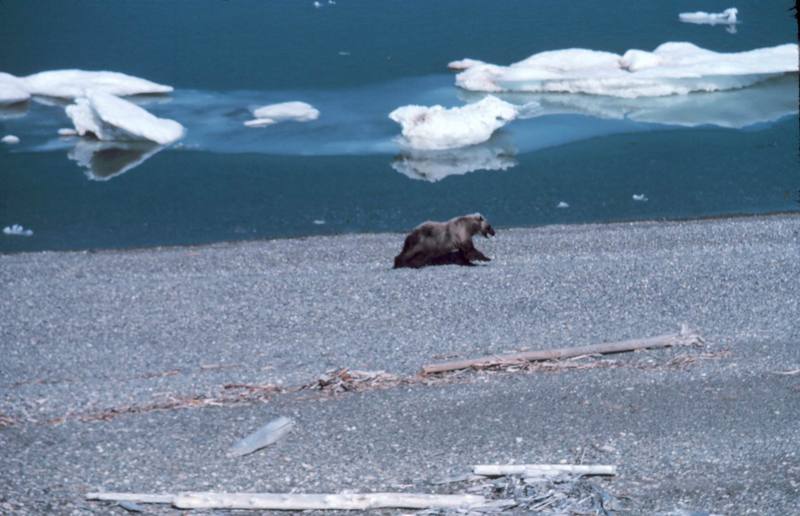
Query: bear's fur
[[444, 243]]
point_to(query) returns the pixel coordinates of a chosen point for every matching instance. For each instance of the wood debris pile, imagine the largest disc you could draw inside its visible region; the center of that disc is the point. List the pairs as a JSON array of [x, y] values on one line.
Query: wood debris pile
[[564, 493]]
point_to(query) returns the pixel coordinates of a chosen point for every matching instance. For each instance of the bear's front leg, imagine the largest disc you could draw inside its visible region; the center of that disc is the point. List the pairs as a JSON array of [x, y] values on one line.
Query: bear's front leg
[[470, 253]]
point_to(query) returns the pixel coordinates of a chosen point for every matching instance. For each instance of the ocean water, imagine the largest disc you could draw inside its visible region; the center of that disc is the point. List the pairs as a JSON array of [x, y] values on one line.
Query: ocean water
[[697, 155]]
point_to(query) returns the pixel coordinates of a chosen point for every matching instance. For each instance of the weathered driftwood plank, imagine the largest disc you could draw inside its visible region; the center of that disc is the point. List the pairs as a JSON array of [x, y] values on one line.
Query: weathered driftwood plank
[[497, 470], [262, 437], [131, 497], [684, 337], [301, 502]]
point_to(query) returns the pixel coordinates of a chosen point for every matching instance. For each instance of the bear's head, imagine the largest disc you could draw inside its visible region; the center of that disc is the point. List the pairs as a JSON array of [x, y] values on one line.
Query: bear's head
[[480, 225]]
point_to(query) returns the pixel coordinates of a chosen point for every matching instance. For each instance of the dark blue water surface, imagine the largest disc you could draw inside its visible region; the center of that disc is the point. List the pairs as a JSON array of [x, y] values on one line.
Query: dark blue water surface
[[696, 155]]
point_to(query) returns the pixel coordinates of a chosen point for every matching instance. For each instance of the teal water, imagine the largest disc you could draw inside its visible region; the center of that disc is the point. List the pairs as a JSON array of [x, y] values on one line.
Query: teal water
[[693, 156]]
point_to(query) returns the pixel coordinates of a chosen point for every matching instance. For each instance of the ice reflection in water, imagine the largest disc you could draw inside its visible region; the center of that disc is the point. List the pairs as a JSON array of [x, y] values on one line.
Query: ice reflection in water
[[496, 154], [106, 160]]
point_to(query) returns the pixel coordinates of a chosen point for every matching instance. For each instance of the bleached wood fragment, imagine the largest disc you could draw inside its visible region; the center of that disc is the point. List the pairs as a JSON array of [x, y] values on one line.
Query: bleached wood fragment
[[496, 470], [301, 502], [262, 437]]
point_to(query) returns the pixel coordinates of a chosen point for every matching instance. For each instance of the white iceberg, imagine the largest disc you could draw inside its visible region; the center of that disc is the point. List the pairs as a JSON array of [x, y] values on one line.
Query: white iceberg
[[672, 68], [727, 16], [12, 90], [435, 165], [72, 84], [111, 118], [10, 139], [437, 128], [640, 197], [285, 111], [17, 230], [562, 204], [463, 64]]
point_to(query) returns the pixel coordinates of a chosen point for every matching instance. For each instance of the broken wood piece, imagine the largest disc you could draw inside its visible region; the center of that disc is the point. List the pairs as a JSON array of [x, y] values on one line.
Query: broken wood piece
[[498, 470], [262, 437], [131, 497], [301, 502], [790, 372], [684, 337]]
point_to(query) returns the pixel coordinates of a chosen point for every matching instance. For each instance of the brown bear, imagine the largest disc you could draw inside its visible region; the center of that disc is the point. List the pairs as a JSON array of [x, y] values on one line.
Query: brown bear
[[444, 243]]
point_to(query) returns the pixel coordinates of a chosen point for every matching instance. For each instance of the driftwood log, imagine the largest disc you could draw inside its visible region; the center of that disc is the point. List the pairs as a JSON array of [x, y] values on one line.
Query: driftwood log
[[533, 470], [298, 502], [684, 337]]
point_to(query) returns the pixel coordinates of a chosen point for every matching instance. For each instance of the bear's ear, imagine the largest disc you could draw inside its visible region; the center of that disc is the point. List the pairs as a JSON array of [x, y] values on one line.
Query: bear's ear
[[479, 217]]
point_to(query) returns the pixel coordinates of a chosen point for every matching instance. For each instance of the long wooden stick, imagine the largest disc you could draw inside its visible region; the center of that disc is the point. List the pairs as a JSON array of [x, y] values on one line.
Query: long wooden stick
[[685, 336], [497, 470], [301, 502], [297, 502]]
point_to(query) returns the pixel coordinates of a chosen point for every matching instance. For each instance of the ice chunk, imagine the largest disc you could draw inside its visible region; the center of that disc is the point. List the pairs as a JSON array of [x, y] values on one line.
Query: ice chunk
[[702, 17], [640, 197], [672, 68], [78, 83], [318, 222], [17, 230], [12, 90], [463, 64], [435, 165], [562, 204], [285, 111], [66, 131], [259, 122], [437, 128], [10, 139], [111, 118]]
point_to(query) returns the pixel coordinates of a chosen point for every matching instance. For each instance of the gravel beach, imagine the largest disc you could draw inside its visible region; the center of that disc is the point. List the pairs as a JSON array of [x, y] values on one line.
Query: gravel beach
[[115, 365]]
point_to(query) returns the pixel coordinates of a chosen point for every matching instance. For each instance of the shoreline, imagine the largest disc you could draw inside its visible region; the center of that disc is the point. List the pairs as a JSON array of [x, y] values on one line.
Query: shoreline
[[222, 243]]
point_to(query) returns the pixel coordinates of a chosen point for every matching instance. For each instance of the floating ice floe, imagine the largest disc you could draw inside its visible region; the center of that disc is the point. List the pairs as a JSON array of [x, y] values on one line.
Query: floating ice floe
[[727, 16], [640, 197], [111, 118], [17, 230], [562, 204], [285, 111], [672, 68], [70, 84], [10, 139], [12, 90], [435, 165], [66, 131], [318, 222], [438, 128], [463, 64]]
